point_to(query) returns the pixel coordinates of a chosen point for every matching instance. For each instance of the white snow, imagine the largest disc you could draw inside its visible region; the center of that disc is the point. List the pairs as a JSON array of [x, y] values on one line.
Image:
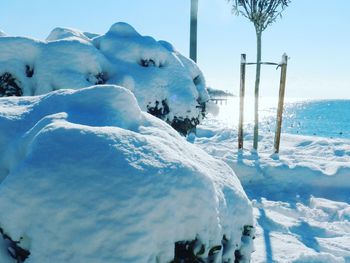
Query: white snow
[[154, 71], [159, 80], [15, 54], [300, 197], [78, 68], [86, 176], [59, 33]]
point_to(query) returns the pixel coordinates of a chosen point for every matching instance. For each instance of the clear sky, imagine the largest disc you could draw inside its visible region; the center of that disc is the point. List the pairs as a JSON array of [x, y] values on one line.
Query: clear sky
[[314, 33]]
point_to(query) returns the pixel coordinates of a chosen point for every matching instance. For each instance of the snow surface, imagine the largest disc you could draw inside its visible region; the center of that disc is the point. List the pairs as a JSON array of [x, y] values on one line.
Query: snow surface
[[301, 197], [153, 70], [60, 33], [86, 176]]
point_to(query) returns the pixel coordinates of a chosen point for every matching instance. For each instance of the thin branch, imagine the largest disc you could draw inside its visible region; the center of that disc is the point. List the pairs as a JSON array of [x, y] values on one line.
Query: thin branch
[[261, 13]]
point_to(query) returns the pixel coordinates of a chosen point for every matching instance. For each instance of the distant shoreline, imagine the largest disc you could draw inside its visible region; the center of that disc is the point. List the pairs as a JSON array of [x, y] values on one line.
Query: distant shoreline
[[219, 93]]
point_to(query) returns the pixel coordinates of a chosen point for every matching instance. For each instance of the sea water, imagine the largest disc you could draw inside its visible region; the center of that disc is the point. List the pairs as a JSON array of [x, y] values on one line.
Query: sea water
[[324, 118]]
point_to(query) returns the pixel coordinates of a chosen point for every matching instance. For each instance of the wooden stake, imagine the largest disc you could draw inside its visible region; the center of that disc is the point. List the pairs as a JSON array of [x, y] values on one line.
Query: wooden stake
[[241, 101], [280, 102]]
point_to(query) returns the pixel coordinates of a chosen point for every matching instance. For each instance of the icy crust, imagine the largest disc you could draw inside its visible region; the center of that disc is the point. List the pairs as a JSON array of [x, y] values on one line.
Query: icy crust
[[83, 178], [164, 82]]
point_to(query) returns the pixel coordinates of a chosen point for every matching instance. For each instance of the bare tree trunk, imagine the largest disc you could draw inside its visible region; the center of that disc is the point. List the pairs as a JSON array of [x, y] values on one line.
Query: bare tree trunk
[[256, 90], [193, 30]]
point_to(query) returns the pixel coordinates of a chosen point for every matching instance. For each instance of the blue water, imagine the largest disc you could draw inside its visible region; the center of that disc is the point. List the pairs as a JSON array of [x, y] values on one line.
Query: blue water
[[325, 118]]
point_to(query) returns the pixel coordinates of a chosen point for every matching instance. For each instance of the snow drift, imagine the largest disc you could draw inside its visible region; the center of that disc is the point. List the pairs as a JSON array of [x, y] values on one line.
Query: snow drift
[[300, 197], [86, 176], [165, 83]]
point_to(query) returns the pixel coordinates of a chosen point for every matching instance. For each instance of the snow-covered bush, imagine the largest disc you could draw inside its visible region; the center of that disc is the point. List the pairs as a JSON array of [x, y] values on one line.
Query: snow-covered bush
[[165, 83], [8, 86], [86, 176]]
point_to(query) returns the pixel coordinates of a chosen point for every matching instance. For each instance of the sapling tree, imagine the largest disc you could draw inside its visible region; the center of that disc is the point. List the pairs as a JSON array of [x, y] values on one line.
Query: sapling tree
[[261, 13]]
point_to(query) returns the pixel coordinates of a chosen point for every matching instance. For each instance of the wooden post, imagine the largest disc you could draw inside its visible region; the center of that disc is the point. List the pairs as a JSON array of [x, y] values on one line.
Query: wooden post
[[280, 102], [241, 101]]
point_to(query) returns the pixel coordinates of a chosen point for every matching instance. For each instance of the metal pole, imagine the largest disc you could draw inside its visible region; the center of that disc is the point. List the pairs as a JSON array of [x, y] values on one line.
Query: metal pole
[[280, 103], [241, 101], [193, 30]]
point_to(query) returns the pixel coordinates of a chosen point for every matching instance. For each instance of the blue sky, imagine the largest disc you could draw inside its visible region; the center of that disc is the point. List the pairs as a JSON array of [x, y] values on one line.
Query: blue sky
[[315, 35]]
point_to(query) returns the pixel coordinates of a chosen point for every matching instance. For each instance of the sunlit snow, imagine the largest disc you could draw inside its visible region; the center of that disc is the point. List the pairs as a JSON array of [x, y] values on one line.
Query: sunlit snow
[[301, 197]]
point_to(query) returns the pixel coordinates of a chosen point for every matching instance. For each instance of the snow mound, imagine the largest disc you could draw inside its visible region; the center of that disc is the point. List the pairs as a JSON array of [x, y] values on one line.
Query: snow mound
[[60, 33], [165, 83], [86, 176], [152, 70], [83, 68], [122, 29]]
